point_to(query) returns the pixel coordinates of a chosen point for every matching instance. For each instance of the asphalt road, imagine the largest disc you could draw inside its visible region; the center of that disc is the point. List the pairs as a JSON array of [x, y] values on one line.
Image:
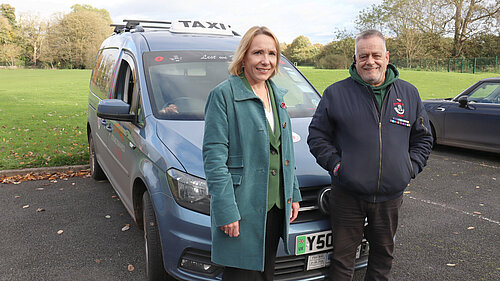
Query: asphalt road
[[449, 226]]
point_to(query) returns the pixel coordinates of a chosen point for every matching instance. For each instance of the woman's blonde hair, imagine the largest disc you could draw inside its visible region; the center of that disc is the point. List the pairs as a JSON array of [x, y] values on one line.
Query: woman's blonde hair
[[236, 66]]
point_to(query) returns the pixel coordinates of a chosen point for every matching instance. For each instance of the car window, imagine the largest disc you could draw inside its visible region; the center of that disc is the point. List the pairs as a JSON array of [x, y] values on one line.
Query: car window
[[126, 88], [487, 92], [102, 73], [125, 82], [179, 83]]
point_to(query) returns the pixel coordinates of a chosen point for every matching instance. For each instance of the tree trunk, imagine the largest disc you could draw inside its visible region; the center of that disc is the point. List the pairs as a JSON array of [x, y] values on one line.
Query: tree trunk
[[458, 27], [34, 54]]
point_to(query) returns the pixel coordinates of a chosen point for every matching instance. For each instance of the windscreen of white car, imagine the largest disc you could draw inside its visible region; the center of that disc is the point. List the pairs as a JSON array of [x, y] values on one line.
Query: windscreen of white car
[[179, 83]]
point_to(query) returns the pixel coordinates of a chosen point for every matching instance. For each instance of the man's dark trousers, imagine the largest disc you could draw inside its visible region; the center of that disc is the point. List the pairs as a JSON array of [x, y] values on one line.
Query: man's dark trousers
[[347, 215]]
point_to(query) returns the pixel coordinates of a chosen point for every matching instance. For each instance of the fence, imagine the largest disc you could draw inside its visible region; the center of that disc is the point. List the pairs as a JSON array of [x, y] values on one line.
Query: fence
[[463, 65]]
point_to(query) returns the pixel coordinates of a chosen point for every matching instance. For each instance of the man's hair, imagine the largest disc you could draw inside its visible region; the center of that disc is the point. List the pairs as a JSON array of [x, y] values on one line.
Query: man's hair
[[236, 65], [367, 34]]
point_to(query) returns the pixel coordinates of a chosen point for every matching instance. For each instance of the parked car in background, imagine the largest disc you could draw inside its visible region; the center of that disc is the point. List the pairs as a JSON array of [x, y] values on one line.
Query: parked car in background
[[148, 90], [469, 120]]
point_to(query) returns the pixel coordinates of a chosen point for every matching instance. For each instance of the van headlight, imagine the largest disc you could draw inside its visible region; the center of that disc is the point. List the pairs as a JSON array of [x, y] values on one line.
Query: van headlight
[[189, 191]]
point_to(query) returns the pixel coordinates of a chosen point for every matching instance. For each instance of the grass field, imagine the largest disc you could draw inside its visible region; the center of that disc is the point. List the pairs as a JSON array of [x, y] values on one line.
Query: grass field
[[430, 85], [43, 117], [43, 113]]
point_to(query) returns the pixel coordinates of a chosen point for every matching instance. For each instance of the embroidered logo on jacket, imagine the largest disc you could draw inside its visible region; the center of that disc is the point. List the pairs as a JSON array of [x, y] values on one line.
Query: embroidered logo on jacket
[[399, 107]]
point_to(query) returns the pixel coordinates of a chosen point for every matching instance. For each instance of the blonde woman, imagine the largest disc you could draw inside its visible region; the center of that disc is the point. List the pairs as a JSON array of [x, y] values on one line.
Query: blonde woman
[[249, 162]]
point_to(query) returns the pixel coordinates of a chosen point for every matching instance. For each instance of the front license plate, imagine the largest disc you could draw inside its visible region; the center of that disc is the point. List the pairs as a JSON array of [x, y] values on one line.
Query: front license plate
[[313, 242], [321, 260], [318, 260]]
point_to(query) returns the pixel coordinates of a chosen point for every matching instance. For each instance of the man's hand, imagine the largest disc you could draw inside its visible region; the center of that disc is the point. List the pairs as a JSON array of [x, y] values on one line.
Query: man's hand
[[295, 211], [232, 229]]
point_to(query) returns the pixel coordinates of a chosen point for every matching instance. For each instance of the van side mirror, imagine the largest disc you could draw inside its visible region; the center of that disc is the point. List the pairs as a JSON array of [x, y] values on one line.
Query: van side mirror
[[462, 101], [115, 109]]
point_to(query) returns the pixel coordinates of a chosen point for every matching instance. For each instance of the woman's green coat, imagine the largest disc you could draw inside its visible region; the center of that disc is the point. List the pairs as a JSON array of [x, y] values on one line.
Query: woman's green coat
[[236, 159]]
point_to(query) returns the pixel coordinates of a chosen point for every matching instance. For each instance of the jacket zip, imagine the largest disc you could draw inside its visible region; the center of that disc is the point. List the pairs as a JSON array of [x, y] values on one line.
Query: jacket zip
[[412, 173], [379, 119]]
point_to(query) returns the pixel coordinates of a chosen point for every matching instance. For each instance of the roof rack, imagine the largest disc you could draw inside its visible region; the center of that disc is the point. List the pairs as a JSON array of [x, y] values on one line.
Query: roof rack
[[178, 26], [137, 25]]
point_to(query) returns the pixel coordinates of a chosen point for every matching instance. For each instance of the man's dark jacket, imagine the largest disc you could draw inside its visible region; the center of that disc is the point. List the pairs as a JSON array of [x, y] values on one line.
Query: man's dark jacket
[[379, 150]]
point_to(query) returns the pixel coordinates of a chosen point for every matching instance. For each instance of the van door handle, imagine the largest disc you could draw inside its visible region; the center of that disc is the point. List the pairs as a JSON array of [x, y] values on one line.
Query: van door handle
[[131, 145]]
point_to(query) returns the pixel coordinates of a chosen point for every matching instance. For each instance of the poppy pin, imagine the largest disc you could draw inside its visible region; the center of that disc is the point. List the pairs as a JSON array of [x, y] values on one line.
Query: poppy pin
[[282, 105]]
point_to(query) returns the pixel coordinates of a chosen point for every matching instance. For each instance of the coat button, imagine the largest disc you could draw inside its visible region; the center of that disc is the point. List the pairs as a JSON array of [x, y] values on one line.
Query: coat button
[[289, 200], [287, 162], [284, 125], [273, 172]]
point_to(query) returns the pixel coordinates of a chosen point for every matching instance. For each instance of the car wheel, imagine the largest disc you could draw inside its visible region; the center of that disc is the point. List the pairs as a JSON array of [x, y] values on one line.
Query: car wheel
[[154, 256], [96, 171]]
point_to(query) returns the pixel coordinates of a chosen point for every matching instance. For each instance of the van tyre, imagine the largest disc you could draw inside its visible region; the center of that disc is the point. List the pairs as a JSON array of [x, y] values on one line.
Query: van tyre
[[154, 256], [96, 171]]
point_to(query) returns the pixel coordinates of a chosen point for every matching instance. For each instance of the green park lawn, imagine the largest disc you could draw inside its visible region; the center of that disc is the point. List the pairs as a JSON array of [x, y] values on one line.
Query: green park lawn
[[43, 113], [431, 85], [43, 117]]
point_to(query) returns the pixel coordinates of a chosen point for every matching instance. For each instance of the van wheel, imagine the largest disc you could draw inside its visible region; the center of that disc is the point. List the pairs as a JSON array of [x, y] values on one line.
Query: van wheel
[[96, 171], [154, 257]]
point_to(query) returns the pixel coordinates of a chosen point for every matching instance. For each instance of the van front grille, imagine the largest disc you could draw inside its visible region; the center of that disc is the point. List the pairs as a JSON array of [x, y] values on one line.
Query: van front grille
[[309, 210]]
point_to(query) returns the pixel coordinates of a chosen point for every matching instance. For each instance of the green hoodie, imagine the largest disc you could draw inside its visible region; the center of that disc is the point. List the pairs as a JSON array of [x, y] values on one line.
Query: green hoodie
[[391, 75]]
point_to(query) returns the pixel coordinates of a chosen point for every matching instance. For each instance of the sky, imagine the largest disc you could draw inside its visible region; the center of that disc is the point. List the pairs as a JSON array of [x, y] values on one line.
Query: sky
[[316, 19]]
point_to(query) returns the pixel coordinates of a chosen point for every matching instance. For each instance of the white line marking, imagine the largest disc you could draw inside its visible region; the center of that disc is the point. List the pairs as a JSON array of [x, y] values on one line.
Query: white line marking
[[454, 209]]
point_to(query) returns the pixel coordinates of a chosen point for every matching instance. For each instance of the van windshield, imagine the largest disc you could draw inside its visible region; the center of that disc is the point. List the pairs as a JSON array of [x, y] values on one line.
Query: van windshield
[[179, 83]]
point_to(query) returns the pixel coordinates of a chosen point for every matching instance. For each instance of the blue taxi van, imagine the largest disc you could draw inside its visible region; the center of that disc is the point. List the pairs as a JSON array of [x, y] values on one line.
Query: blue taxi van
[[147, 94]]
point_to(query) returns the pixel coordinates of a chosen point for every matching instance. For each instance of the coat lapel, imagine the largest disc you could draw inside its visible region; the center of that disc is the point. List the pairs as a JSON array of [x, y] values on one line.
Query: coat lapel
[[240, 91], [279, 93]]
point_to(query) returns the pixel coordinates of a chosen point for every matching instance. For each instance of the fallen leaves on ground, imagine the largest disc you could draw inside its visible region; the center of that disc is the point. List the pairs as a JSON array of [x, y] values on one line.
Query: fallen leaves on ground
[[126, 227], [17, 179]]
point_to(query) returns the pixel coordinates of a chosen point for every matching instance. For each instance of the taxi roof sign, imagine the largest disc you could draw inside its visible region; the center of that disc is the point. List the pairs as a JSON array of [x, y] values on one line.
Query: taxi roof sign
[[201, 27]]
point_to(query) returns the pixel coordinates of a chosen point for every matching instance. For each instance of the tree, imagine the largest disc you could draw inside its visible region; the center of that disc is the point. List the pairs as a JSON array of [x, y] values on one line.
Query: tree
[[33, 32], [7, 24], [301, 51], [482, 45], [5, 30], [373, 17], [102, 12], [9, 53], [472, 17], [414, 20], [9, 13], [74, 38], [345, 46]]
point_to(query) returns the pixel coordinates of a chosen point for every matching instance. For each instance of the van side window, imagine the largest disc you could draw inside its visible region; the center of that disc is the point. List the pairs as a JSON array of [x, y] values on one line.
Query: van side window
[[125, 83], [102, 73]]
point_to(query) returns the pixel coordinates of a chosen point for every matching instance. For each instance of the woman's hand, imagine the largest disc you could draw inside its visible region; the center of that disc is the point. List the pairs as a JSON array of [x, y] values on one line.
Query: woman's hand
[[232, 229], [295, 211]]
